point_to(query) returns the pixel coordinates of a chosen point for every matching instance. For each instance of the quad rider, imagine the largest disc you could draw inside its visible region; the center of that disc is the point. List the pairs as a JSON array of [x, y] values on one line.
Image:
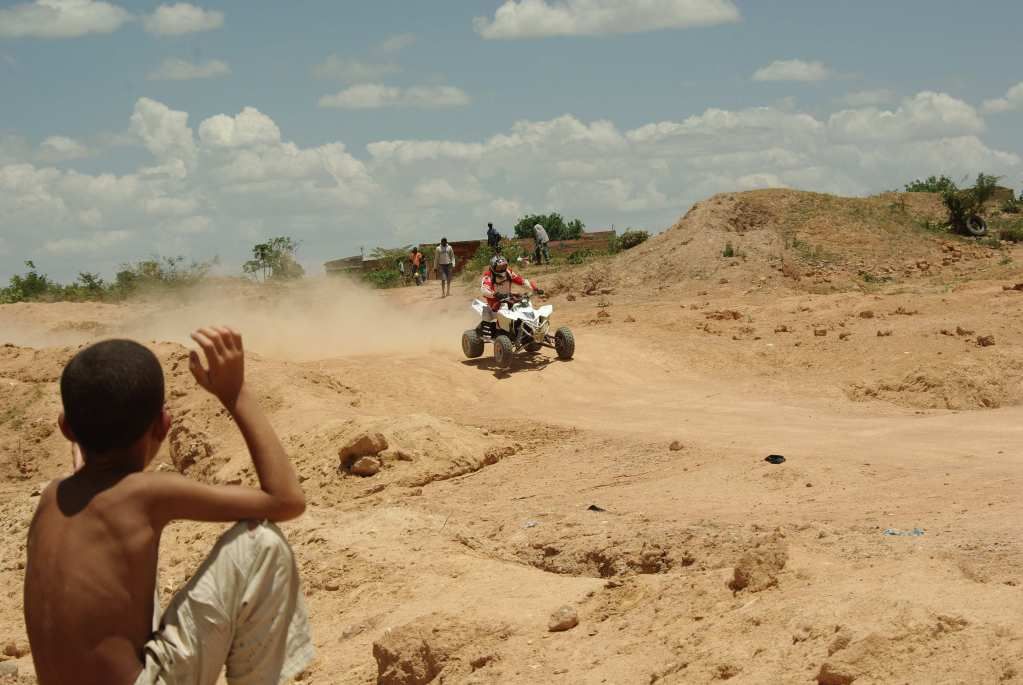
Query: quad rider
[[496, 287]]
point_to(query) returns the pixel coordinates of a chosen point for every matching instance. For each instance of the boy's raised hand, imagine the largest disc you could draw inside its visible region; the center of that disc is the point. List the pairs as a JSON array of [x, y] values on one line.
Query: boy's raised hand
[[225, 360]]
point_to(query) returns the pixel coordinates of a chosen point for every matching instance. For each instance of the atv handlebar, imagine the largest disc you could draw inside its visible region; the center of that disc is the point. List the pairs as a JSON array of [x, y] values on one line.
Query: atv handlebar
[[514, 298]]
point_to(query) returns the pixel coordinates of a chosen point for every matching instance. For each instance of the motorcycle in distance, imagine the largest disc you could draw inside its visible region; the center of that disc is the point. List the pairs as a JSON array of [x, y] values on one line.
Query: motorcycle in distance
[[517, 326]]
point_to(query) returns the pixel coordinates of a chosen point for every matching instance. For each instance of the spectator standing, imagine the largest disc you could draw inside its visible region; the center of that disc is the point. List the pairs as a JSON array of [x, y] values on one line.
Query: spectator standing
[[416, 260], [444, 263], [493, 238], [541, 251]]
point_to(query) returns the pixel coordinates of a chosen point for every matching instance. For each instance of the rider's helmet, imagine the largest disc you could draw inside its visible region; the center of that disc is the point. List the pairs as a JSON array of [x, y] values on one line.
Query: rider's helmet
[[499, 267]]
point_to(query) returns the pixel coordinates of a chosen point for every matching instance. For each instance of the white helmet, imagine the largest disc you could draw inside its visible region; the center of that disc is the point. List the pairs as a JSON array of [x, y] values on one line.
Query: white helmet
[[538, 227]]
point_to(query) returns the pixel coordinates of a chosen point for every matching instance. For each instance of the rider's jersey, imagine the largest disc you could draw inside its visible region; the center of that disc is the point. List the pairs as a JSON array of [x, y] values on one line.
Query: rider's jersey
[[490, 289]]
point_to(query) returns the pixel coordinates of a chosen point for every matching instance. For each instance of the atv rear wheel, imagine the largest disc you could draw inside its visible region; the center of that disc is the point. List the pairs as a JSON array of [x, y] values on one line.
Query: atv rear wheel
[[564, 343], [472, 344], [503, 351]]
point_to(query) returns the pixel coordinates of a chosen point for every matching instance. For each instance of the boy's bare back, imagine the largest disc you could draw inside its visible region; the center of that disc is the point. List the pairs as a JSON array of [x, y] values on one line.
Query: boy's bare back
[[91, 578], [93, 543]]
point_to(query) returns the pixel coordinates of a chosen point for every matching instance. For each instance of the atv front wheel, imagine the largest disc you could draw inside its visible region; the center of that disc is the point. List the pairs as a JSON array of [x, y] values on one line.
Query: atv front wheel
[[472, 344], [503, 351], [564, 343]]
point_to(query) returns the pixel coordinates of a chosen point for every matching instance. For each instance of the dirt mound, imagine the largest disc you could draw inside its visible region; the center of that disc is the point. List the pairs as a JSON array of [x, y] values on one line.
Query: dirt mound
[[436, 648], [807, 241], [969, 384]]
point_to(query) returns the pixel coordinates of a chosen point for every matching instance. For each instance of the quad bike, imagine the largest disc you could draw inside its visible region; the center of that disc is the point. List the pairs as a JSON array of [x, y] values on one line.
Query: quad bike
[[517, 326]]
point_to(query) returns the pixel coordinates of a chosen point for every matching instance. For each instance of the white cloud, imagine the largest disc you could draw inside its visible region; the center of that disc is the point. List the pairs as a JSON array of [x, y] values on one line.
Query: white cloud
[[181, 18], [176, 69], [163, 131], [868, 98], [190, 225], [163, 205], [91, 217], [61, 19], [792, 70], [349, 70], [250, 127], [1012, 101], [94, 242], [925, 115], [353, 70], [60, 148], [4, 250], [540, 18], [373, 96], [590, 140], [441, 191], [397, 43]]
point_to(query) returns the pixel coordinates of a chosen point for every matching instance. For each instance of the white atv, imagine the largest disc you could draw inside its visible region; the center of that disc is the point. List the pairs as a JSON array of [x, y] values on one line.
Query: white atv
[[517, 325]]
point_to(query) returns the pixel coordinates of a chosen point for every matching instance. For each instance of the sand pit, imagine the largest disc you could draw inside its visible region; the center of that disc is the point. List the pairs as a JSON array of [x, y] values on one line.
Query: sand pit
[[628, 485]]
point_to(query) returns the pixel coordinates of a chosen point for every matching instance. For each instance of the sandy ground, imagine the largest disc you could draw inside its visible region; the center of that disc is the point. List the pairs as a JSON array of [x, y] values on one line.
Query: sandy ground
[[630, 483]]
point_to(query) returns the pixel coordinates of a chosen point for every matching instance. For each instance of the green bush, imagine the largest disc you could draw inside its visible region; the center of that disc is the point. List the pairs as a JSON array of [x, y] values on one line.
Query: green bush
[[388, 277], [159, 273], [729, 251], [933, 184], [1012, 206], [962, 204], [149, 274], [481, 260], [275, 259], [555, 225], [1012, 234], [579, 257], [631, 238], [31, 285]]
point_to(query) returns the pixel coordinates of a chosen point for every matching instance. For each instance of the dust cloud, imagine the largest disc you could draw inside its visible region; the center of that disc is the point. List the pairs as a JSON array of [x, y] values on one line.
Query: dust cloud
[[315, 318]]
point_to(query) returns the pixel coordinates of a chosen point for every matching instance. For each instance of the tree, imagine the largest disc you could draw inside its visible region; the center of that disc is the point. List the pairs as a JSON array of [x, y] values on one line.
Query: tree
[[553, 223], [274, 259], [91, 283], [31, 285], [933, 184], [965, 203]]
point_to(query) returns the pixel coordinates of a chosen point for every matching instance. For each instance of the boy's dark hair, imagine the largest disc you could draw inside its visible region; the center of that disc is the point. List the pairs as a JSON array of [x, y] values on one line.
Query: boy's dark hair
[[112, 392]]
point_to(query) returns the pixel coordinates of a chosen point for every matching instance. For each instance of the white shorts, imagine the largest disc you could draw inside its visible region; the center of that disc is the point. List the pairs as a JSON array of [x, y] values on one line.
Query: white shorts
[[243, 609]]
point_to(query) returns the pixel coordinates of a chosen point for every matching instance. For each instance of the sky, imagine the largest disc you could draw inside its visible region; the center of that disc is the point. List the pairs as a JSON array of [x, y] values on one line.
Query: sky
[[133, 129]]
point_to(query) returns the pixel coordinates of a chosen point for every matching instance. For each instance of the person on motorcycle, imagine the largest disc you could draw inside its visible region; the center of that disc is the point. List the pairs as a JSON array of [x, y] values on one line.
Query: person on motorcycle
[[497, 287]]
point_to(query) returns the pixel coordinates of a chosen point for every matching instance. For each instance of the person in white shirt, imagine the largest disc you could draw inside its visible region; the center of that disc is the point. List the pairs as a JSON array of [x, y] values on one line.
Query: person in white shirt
[[541, 251], [444, 264]]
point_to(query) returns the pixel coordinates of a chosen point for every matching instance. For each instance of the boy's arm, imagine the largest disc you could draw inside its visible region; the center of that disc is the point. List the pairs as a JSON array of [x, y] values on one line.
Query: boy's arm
[[280, 497]]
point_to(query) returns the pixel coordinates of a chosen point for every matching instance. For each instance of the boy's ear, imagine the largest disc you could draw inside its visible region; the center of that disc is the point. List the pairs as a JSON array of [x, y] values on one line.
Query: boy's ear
[[162, 425], [65, 428]]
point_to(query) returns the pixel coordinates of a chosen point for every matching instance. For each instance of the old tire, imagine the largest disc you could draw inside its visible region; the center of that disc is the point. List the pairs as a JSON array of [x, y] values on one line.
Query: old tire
[[564, 343], [976, 226], [472, 344], [503, 351]]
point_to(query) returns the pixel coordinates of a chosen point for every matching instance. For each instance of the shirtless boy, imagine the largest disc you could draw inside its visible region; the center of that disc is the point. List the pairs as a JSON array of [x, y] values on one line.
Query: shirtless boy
[[90, 581]]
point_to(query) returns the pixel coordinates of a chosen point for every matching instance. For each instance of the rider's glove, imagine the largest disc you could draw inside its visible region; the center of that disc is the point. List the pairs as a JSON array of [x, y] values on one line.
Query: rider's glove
[[540, 292]]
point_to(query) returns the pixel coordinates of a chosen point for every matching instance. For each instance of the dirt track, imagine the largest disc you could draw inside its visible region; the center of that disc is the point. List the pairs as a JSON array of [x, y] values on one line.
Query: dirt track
[[706, 563]]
